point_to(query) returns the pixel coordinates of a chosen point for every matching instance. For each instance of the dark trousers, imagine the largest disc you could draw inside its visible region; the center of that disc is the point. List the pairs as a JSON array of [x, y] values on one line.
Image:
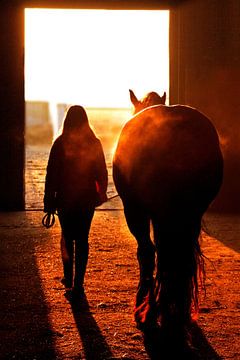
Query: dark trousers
[[75, 226]]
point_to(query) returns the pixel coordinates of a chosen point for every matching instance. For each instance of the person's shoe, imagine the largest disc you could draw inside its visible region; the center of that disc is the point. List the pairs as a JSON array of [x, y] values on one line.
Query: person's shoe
[[78, 291]]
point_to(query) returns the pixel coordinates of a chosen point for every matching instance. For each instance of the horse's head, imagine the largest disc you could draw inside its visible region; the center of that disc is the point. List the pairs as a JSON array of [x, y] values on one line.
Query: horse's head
[[150, 99]]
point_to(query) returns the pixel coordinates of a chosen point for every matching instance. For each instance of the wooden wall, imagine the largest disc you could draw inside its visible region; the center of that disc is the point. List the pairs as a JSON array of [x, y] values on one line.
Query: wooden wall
[[204, 73], [11, 108]]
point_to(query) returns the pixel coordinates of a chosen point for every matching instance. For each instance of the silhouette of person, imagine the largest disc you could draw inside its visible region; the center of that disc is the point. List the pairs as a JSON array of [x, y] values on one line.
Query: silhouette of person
[[76, 182]]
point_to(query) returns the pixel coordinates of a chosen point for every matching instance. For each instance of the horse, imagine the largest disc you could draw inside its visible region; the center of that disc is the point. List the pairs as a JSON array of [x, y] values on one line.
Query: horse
[[167, 170]]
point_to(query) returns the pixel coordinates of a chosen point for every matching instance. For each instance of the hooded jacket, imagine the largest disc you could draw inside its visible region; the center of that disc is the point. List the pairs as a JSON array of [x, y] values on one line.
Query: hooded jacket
[[76, 173]]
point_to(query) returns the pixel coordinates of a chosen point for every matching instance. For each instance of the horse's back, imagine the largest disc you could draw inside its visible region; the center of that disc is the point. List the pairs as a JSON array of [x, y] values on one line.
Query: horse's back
[[166, 151]]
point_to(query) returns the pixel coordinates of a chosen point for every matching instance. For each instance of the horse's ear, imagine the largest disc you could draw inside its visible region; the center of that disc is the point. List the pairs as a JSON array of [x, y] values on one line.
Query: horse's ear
[[164, 98], [133, 98]]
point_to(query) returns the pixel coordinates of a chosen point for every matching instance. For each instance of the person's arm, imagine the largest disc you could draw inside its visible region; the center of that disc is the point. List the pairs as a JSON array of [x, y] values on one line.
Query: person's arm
[[51, 180]]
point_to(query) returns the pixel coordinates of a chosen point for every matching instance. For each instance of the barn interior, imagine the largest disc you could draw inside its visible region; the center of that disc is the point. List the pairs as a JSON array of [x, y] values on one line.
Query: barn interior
[[37, 320], [204, 73]]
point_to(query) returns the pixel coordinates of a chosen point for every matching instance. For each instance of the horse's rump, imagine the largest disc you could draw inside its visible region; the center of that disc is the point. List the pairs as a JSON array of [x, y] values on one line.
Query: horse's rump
[[166, 153]]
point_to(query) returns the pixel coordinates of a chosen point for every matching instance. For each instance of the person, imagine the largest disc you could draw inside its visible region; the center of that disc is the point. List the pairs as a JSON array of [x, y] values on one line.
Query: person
[[76, 182]]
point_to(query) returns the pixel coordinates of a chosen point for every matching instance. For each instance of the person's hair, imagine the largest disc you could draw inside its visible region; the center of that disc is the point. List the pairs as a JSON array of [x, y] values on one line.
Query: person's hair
[[76, 123]]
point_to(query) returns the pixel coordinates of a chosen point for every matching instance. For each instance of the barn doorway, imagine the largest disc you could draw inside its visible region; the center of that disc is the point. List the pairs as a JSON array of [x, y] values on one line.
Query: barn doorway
[[91, 58]]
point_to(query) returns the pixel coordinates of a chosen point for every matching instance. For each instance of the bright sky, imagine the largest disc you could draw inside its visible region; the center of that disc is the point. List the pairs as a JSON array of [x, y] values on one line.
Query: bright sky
[[92, 57]]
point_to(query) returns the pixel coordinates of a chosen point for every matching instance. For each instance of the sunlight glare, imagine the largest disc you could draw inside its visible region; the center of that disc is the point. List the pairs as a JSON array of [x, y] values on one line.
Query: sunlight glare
[[93, 57]]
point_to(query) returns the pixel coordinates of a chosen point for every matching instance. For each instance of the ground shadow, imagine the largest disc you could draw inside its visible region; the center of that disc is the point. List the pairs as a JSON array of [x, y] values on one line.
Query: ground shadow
[[94, 343], [162, 346], [223, 227], [25, 330], [222, 219]]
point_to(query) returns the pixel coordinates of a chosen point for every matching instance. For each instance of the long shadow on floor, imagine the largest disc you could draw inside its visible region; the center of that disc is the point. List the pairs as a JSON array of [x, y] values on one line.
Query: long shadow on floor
[[159, 346], [25, 330], [94, 343], [224, 227]]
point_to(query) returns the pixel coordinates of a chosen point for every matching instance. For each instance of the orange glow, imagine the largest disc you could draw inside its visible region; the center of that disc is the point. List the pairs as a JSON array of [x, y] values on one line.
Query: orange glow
[[93, 57]]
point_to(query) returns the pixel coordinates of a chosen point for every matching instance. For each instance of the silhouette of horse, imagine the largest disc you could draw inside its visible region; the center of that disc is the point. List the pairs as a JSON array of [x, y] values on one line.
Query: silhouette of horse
[[167, 169]]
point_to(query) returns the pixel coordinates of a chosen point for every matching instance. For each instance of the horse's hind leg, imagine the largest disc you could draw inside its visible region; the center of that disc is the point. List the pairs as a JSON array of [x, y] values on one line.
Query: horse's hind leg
[[139, 225]]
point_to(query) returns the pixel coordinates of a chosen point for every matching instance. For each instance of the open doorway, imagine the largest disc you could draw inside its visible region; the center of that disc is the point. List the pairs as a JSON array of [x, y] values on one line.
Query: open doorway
[[90, 58]]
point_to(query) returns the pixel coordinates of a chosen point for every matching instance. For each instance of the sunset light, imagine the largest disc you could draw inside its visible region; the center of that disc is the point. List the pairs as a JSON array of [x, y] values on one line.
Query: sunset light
[[92, 57]]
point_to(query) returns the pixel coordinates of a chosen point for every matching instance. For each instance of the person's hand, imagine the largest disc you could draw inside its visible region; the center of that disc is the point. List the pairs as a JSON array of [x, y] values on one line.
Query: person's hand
[[49, 209], [49, 203]]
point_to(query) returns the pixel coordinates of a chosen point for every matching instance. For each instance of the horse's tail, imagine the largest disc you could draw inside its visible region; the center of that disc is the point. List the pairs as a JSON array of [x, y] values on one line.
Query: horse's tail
[[179, 273], [198, 277]]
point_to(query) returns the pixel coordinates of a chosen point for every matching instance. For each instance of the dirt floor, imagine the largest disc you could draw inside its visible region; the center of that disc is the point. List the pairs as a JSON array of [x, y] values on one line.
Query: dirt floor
[[38, 321]]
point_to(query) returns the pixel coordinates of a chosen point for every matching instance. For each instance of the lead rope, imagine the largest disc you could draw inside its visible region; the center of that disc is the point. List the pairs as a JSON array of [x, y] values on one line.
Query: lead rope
[[48, 220]]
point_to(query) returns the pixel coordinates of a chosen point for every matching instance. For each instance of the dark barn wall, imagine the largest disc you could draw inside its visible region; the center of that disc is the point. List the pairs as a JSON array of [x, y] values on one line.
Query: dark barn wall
[[205, 73], [11, 108]]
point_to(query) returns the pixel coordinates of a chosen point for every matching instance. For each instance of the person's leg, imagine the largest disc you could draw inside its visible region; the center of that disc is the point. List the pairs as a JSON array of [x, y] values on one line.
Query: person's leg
[[81, 260], [67, 259], [66, 248], [84, 220]]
